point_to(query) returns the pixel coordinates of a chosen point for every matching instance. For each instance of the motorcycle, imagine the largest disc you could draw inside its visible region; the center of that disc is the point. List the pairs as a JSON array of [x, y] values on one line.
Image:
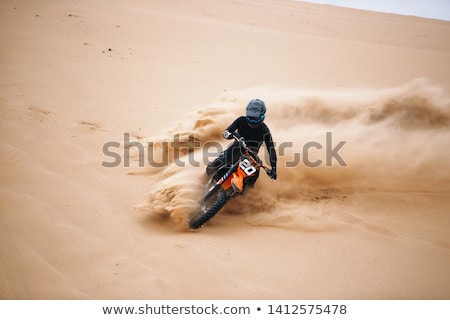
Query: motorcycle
[[229, 181]]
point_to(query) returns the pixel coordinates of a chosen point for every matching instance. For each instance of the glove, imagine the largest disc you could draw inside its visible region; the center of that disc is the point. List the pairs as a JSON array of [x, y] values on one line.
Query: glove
[[227, 134], [273, 173]]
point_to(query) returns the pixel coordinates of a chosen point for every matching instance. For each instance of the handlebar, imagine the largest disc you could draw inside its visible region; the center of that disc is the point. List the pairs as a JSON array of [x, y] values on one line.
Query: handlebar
[[241, 141]]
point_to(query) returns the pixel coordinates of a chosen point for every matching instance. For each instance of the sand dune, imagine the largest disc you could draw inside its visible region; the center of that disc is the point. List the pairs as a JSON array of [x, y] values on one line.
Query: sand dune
[[76, 75]]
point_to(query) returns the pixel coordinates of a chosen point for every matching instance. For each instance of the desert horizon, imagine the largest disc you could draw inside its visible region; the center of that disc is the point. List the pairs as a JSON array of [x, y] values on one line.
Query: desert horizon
[[81, 77]]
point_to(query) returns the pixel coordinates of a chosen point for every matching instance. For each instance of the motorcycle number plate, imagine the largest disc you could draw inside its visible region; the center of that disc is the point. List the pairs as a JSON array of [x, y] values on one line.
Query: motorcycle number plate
[[247, 167]]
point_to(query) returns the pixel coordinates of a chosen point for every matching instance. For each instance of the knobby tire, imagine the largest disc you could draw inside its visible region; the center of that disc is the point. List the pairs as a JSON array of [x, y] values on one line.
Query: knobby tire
[[211, 211]]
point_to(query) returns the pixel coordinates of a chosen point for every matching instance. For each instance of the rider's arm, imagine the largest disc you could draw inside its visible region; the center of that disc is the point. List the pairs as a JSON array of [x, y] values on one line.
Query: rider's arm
[[271, 149], [272, 155], [231, 128]]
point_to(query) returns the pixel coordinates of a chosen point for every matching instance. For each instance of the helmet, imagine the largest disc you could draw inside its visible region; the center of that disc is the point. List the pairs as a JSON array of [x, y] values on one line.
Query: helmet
[[255, 112]]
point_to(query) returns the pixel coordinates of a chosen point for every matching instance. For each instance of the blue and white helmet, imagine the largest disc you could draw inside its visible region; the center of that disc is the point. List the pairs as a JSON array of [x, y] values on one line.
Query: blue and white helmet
[[255, 112]]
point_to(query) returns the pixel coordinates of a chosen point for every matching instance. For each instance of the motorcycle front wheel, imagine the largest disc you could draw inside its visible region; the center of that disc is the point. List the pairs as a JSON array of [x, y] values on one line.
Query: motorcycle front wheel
[[209, 208]]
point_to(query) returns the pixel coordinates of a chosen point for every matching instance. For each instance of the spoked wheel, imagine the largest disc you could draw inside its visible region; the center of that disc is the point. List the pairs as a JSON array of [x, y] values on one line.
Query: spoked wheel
[[211, 204]]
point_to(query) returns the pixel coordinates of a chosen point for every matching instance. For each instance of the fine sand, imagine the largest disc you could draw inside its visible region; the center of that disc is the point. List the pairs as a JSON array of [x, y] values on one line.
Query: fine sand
[[84, 84]]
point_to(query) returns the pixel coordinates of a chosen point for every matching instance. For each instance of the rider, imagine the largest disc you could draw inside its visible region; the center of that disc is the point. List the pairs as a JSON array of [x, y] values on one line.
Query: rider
[[254, 131]]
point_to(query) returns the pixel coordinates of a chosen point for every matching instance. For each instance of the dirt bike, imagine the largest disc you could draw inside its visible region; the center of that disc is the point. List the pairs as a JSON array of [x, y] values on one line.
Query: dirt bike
[[228, 182]]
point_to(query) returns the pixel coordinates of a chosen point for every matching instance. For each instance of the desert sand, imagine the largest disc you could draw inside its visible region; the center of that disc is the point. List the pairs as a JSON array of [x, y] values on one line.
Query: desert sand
[[78, 74]]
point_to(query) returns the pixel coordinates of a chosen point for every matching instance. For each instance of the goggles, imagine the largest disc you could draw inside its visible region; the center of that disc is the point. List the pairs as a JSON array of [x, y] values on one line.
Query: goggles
[[256, 120]]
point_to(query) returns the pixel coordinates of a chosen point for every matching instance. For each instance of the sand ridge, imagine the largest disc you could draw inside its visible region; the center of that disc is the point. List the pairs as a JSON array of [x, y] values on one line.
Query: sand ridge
[[78, 74]]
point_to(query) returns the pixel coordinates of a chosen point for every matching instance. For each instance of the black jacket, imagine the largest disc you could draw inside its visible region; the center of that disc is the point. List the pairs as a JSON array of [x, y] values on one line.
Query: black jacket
[[255, 137]]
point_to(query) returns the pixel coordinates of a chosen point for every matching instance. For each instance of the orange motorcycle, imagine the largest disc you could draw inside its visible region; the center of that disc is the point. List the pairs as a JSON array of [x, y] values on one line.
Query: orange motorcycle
[[229, 181]]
